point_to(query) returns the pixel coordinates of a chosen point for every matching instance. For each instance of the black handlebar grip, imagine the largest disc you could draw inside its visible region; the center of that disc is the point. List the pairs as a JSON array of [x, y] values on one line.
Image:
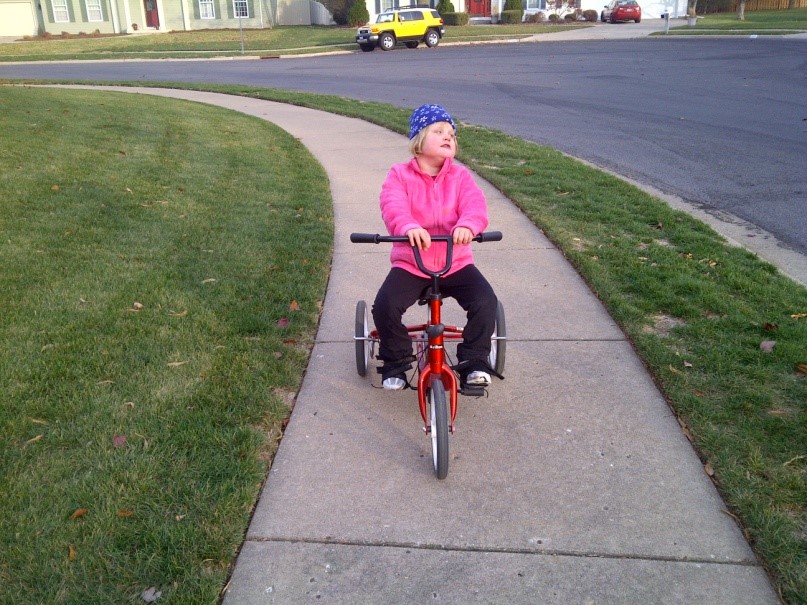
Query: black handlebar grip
[[490, 236], [364, 238]]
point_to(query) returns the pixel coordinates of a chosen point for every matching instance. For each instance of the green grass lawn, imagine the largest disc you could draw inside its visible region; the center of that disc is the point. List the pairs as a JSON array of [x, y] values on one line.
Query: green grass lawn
[[163, 269], [762, 22], [701, 314], [211, 43]]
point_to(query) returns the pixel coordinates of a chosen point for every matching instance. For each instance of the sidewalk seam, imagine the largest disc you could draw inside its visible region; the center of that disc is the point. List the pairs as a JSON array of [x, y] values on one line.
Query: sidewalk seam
[[511, 551]]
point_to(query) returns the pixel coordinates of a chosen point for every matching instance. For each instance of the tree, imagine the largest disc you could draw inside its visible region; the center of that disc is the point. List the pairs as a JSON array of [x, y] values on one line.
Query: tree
[[338, 9], [741, 10], [358, 15], [691, 5]]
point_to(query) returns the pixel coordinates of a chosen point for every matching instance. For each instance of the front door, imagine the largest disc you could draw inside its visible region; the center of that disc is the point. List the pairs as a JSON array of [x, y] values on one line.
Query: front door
[[152, 16], [479, 8]]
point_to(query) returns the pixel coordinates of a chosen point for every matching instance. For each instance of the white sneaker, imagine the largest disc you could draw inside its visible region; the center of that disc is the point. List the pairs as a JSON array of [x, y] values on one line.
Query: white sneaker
[[396, 383], [478, 378]]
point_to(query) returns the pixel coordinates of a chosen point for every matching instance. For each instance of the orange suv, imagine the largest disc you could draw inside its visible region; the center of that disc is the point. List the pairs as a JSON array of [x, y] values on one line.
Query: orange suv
[[410, 26]]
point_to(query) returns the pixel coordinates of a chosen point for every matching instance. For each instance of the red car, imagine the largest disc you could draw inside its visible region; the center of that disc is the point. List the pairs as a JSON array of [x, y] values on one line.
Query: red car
[[621, 10]]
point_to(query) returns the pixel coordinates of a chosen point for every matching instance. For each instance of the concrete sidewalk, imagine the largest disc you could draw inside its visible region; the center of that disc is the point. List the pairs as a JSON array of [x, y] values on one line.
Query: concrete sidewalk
[[572, 483]]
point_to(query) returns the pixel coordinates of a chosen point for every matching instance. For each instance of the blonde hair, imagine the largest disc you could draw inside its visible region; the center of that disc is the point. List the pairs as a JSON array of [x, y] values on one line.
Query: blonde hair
[[416, 143]]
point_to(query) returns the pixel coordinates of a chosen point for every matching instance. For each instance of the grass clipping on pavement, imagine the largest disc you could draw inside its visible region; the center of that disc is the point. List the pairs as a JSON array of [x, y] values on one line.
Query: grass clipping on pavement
[[164, 264]]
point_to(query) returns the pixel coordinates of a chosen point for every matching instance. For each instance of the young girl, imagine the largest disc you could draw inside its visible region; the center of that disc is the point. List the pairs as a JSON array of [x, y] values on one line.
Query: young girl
[[431, 195]]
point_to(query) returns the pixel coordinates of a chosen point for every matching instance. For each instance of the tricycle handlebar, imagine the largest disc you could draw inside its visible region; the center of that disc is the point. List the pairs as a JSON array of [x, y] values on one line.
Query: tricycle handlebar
[[377, 238]]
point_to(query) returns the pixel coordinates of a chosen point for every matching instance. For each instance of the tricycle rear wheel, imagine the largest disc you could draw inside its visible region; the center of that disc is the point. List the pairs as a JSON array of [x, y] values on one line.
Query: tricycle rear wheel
[[362, 338], [498, 344]]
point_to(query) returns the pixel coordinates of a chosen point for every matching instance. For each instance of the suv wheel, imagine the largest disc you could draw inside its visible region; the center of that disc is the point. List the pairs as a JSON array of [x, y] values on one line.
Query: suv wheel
[[386, 41], [432, 38]]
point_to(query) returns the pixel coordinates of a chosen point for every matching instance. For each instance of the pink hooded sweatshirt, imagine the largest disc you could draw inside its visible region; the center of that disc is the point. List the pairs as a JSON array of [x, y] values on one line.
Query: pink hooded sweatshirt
[[410, 199]]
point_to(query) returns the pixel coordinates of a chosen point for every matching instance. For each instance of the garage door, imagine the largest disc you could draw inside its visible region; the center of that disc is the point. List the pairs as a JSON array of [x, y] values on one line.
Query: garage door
[[17, 19]]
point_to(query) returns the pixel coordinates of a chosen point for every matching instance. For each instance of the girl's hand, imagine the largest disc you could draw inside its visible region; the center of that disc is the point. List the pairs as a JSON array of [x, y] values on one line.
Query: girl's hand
[[420, 238], [462, 235]]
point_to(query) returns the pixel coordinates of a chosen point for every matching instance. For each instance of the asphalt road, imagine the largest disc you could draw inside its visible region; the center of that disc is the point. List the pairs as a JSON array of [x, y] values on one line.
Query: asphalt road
[[721, 123]]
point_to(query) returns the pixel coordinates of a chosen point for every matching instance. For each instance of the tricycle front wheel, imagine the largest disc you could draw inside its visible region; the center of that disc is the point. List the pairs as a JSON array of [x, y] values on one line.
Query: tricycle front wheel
[[438, 418]]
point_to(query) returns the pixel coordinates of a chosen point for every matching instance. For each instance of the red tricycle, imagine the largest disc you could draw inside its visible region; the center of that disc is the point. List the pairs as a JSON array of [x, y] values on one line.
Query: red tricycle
[[435, 377]]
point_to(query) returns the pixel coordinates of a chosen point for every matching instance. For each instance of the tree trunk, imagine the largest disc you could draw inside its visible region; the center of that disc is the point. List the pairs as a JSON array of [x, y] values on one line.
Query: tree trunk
[[791, 4], [741, 10], [691, 5]]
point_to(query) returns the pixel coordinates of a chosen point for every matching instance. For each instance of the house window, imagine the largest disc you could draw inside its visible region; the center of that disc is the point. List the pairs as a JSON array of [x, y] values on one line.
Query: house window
[[206, 9], [240, 9], [60, 12], [94, 12]]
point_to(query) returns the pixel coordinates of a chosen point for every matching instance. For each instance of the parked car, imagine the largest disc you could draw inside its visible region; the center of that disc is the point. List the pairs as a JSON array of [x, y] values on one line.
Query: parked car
[[621, 10], [410, 26]]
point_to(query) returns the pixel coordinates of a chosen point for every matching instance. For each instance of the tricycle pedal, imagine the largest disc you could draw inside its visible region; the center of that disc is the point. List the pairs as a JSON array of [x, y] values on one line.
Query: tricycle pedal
[[473, 391]]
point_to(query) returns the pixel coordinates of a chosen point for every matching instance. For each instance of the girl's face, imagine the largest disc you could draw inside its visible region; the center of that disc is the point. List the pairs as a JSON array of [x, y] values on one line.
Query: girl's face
[[440, 142]]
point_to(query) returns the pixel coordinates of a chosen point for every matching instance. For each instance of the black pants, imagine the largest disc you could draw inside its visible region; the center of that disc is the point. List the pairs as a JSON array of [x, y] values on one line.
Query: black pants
[[402, 289]]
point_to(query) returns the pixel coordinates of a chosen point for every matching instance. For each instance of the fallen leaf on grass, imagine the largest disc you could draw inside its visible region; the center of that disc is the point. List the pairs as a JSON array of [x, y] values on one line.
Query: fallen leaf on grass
[[770, 326], [71, 553], [709, 469], [799, 315], [38, 421], [801, 368], [178, 313], [767, 345], [283, 322], [55, 188], [34, 439], [150, 595], [79, 513], [209, 280], [125, 514], [176, 364], [119, 440], [294, 306]]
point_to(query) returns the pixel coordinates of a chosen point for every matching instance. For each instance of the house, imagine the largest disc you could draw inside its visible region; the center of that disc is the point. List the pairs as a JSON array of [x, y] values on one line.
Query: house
[[31, 17], [481, 10]]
